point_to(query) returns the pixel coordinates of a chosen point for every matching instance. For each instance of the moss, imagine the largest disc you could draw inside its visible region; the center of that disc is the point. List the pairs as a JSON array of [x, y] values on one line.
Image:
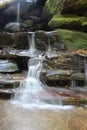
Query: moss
[[50, 7], [73, 22], [73, 39], [76, 3], [54, 6]]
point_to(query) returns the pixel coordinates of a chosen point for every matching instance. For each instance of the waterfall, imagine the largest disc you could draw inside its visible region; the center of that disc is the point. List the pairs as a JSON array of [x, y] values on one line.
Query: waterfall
[[29, 88], [85, 69], [35, 70], [18, 13], [73, 83], [32, 51], [32, 90], [31, 41], [32, 47], [49, 46], [49, 34]]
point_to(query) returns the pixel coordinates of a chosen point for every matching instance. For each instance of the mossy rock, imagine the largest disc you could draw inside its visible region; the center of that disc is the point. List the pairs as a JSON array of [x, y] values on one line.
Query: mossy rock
[[67, 6], [68, 22], [74, 40], [75, 10], [75, 7], [54, 6]]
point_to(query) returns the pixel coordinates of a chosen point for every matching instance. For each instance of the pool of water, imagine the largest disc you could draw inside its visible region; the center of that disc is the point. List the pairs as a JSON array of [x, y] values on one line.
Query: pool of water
[[40, 117]]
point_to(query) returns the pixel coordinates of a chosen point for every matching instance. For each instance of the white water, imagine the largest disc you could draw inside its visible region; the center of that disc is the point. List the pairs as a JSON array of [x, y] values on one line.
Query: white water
[[32, 91], [18, 13], [49, 46], [73, 83], [31, 1], [29, 88], [31, 41], [85, 68], [32, 51]]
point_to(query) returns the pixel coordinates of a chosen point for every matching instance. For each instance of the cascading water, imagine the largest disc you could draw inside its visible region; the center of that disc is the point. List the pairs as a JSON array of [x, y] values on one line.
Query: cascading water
[[49, 46], [32, 90], [73, 83], [32, 51], [18, 13], [29, 88], [85, 69], [31, 41], [49, 34]]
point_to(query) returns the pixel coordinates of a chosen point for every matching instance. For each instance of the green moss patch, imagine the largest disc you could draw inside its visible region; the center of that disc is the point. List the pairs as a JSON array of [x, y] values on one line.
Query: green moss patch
[[73, 39], [67, 22]]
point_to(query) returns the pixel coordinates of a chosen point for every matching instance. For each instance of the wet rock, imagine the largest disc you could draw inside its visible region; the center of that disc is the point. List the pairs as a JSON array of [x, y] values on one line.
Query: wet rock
[[11, 81], [20, 40], [58, 61], [27, 23], [14, 40], [78, 76], [59, 75], [78, 101], [7, 66], [13, 27], [6, 94]]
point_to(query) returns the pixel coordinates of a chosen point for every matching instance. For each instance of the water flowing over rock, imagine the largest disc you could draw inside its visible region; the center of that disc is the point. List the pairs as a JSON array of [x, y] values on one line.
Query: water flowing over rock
[[7, 66]]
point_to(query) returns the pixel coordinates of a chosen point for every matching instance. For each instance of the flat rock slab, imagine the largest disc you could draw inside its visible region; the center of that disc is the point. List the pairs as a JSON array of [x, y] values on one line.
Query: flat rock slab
[[11, 80], [6, 94]]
